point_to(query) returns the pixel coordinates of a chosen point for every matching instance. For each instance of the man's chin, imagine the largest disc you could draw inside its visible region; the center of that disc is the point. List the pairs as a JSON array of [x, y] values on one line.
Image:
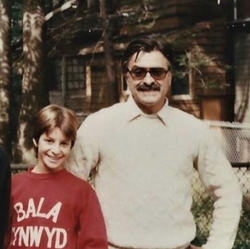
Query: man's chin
[[149, 94], [150, 99]]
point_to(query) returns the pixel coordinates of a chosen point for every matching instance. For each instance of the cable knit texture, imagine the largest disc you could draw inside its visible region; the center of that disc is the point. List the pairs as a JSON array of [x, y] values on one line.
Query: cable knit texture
[[142, 169]]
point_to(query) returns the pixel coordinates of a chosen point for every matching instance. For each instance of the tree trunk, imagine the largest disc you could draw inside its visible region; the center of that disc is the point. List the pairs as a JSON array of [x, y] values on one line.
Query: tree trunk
[[34, 92], [112, 86], [5, 73]]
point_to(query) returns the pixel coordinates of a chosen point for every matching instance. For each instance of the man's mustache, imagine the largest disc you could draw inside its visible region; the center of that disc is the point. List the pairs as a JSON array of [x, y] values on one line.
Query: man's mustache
[[146, 87]]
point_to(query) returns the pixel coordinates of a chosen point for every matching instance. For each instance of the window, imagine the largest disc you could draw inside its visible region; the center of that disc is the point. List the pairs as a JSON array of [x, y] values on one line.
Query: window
[[75, 73], [68, 72]]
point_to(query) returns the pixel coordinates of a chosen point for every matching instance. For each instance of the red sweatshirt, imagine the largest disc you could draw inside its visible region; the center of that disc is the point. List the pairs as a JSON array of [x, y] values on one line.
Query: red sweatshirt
[[55, 210]]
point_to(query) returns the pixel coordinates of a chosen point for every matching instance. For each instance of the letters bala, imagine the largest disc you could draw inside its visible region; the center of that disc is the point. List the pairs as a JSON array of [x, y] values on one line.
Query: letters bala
[[35, 235]]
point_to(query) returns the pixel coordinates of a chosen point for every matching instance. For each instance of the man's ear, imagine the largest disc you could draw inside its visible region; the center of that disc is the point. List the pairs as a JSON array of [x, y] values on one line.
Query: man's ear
[[169, 78], [34, 142]]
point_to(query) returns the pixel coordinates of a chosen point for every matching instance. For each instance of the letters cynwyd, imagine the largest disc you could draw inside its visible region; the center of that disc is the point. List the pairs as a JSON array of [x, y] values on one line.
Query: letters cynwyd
[[30, 236]]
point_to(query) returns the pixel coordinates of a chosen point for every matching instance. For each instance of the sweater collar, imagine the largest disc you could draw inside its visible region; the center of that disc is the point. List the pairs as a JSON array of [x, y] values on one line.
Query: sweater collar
[[133, 111]]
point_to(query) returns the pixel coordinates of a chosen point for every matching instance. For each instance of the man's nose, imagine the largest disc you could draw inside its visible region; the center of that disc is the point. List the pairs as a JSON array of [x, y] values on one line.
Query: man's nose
[[148, 79]]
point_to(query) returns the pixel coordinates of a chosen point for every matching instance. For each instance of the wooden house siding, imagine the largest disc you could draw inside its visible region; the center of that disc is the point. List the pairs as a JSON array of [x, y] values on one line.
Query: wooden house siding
[[189, 106], [99, 95], [75, 99]]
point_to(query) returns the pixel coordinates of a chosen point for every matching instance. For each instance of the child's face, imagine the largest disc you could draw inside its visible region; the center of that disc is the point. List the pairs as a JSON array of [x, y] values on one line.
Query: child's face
[[53, 150]]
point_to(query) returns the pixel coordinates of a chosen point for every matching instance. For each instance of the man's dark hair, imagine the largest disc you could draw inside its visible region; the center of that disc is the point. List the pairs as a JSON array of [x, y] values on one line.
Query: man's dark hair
[[146, 44]]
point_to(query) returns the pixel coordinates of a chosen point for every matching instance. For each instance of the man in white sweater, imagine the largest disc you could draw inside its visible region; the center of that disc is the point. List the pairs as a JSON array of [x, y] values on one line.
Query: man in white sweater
[[141, 155]]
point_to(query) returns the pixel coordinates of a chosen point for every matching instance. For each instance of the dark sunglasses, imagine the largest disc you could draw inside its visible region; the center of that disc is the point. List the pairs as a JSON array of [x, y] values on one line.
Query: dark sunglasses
[[139, 73]]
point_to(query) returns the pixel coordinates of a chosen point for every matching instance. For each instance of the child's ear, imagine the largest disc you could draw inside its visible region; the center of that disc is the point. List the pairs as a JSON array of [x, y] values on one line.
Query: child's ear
[[34, 142]]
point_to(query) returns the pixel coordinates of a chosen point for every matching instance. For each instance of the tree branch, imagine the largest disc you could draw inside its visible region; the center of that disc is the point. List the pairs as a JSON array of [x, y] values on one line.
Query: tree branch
[[65, 6]]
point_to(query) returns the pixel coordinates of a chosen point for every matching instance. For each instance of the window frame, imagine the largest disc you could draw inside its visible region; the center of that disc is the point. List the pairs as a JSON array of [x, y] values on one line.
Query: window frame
[[69, 73]]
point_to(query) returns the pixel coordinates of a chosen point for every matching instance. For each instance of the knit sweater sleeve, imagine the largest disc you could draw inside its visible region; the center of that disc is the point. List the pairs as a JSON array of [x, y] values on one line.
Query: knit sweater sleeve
[[92, 227], [219, 179], [84, 155]]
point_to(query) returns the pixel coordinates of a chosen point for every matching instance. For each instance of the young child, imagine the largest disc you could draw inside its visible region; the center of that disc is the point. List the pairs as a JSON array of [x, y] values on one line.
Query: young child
[[51, 208]]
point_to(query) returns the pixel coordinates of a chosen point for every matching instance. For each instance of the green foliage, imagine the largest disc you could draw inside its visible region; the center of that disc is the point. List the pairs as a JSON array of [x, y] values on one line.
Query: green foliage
[[243, 238], [196, 62], [202, 211], [16, 23]]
